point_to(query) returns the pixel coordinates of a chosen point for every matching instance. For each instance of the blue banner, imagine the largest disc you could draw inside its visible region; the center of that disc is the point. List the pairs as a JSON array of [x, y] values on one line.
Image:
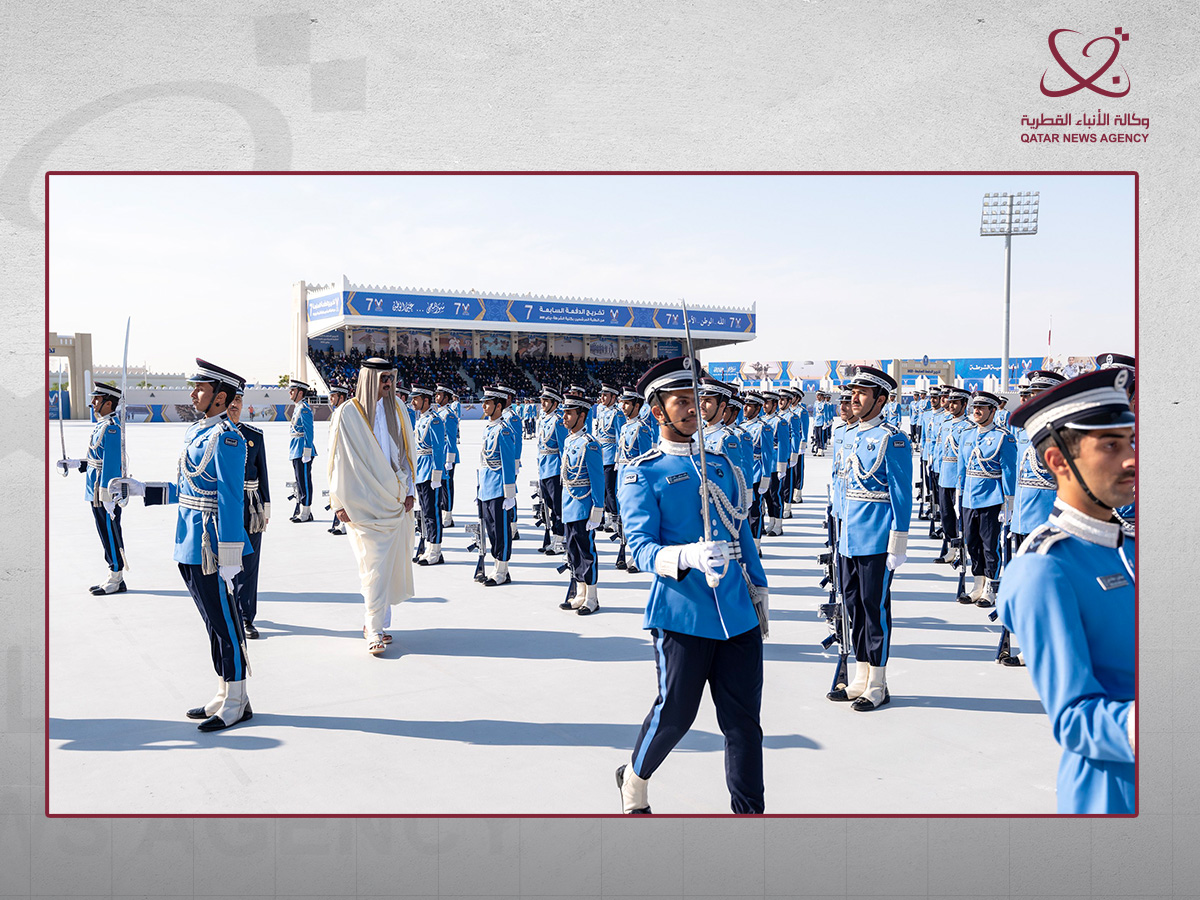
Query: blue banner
[[974, 370], [330, 340], [542, 313], [724, 371], [63, 396]]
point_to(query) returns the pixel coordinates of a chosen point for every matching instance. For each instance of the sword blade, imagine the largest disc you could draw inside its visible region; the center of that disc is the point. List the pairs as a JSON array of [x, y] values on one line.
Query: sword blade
[[712, 579], [61, 436], [124, 400]]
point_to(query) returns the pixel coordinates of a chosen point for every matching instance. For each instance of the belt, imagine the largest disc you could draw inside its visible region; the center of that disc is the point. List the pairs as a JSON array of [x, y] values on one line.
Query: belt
[[204, 504], [421, 452], [869, 496], [542, 452], [1037, 483], [976, 473]]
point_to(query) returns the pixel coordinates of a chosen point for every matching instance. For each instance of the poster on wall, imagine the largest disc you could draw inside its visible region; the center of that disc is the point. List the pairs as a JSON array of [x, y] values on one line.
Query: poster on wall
[[667, 349], [497, 343], [602, 348], [374, 340], [807, 370], [567, 345], [637, 348], [456, 342], [531, 345]]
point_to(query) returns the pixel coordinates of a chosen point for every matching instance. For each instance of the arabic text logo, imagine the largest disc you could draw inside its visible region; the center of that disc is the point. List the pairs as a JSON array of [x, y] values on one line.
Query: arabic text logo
[[1090, 82]]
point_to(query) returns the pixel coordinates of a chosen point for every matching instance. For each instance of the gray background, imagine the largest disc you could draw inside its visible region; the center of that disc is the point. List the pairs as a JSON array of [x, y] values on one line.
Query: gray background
[[572, 85]]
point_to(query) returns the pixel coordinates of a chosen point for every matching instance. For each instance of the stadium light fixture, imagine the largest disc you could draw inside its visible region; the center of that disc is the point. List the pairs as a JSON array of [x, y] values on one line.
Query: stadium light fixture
[[1006, 214]]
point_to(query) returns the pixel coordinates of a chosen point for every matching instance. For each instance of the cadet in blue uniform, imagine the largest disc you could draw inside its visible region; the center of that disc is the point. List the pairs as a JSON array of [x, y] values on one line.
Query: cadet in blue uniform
[[891, 413], [301, 450], [774, 462], [702, 635], [915, 410], [429, 438], [210, 537], [446, 398], [634, 439], [729, 412], [651, 423], [950, 435], [102, 465], [935, 415], [515, 433], [763, 456], [402, 394], [607, 422], [497, 485], [800, 426], [583, 502], [987, 483], [338, 395], [551, 435], [837, 452], [1002, 413], [878, 508], [256, 513], [1070, 593], [1128, 513], [1036, 487]]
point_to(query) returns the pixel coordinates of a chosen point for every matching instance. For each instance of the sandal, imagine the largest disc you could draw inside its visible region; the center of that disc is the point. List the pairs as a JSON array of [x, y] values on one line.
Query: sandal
[[376, 646], [387, 638]]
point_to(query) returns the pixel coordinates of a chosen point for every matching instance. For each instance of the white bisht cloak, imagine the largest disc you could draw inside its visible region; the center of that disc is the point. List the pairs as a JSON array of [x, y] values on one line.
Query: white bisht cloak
[[361, 482]]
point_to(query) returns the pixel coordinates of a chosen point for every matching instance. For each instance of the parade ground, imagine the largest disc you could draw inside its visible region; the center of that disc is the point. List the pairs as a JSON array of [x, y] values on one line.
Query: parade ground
[[493, 700]]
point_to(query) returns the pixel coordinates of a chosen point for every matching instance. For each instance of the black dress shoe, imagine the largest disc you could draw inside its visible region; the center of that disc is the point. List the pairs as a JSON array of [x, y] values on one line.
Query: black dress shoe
[[862, 704], [99, 591], [251, 631], [644, 811], [838, 696], [424, 562], [1011, 661], [621, 564], [586, 611], [492, 582], [632, 569], [566, 604], [197, 713], [216, 723]]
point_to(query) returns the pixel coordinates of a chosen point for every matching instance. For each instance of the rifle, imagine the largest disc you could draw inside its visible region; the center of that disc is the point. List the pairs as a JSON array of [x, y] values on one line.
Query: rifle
[[572, 588], [835, 613], [619, 535], [476, 532], [541, 515], [420, 526], [960, 563]]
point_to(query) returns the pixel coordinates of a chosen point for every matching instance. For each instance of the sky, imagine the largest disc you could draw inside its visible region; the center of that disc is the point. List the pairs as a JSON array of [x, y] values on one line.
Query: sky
[[839, 266]]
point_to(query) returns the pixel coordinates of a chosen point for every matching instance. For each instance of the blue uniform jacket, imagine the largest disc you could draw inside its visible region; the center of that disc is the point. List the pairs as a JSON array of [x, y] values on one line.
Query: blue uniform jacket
[[804, 422], [301, 432], [782, 434], [210, 493], [733, 443], [515, 432], [634, 440], [1069, 597], [987, 471], [891, 414], [450, 422], [949, 440], [430, 439], [607, 427], [552, 435], [659, 494], [103, 458], [646, 416], [878, 505], [837, 484], [497, 473], [763, 441], [582, 476], [1036, 487]]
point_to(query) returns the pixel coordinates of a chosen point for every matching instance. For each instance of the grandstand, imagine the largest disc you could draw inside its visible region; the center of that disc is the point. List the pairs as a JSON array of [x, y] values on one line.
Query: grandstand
[[472, 338]]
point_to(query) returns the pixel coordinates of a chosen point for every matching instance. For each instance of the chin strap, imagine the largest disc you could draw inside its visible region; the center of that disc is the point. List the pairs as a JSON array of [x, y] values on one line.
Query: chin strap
[[667, 420], [1062, 445]]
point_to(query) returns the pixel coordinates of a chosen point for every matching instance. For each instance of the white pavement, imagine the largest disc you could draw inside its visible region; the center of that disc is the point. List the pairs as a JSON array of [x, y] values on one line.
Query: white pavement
[[493, 700]]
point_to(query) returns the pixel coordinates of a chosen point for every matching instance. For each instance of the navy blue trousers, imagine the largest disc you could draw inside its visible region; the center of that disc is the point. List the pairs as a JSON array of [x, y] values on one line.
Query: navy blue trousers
[[798, 474], [983, 535], [774, 507], [220, 614], [551, 490], [610, 490], [245, 583], [756, 510], [446, 494], [303, 472], [949, 516], [733, 671], [581, 551], [495, 528], [867, 593], [109, 529], [431, 514]]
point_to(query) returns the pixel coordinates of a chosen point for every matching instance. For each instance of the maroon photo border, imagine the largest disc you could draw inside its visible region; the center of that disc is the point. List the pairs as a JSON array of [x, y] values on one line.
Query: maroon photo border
[[1005, 173]]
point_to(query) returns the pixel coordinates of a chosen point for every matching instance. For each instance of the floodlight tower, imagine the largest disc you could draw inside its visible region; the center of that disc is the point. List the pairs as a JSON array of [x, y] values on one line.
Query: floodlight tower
[[1008, 214]]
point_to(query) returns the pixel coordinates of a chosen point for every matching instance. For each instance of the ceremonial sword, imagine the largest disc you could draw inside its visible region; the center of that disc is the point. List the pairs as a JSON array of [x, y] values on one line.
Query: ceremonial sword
[[712, 578], [124, 402], [61, 436]]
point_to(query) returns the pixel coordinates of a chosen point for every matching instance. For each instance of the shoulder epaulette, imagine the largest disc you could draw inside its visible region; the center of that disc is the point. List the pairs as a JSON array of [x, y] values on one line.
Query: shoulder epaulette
[[252, 428], [1042, 539], [652, 453], [889, 428]]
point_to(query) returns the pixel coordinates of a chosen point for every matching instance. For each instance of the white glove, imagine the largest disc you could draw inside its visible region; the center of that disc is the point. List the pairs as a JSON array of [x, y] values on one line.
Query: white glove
[[594, 518], [110, 506], [764, 485], [1131, 727], [958, 503], [228, 573], [895, 561], [133, 487], [436, 481], [66, 465], [510, 502], [306, 456], [803, 447], [707, 556]]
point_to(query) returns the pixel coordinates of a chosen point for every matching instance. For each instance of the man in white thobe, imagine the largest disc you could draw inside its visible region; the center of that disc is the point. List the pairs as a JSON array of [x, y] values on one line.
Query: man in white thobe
[[371, 489]]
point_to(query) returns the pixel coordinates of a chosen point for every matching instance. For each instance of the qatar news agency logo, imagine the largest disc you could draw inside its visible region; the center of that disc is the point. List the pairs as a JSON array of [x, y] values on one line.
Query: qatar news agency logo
[[1092, 68]]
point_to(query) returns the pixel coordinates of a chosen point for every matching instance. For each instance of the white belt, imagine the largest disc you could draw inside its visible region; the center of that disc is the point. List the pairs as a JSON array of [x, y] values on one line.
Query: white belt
[[977, 473], [204, 504]]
